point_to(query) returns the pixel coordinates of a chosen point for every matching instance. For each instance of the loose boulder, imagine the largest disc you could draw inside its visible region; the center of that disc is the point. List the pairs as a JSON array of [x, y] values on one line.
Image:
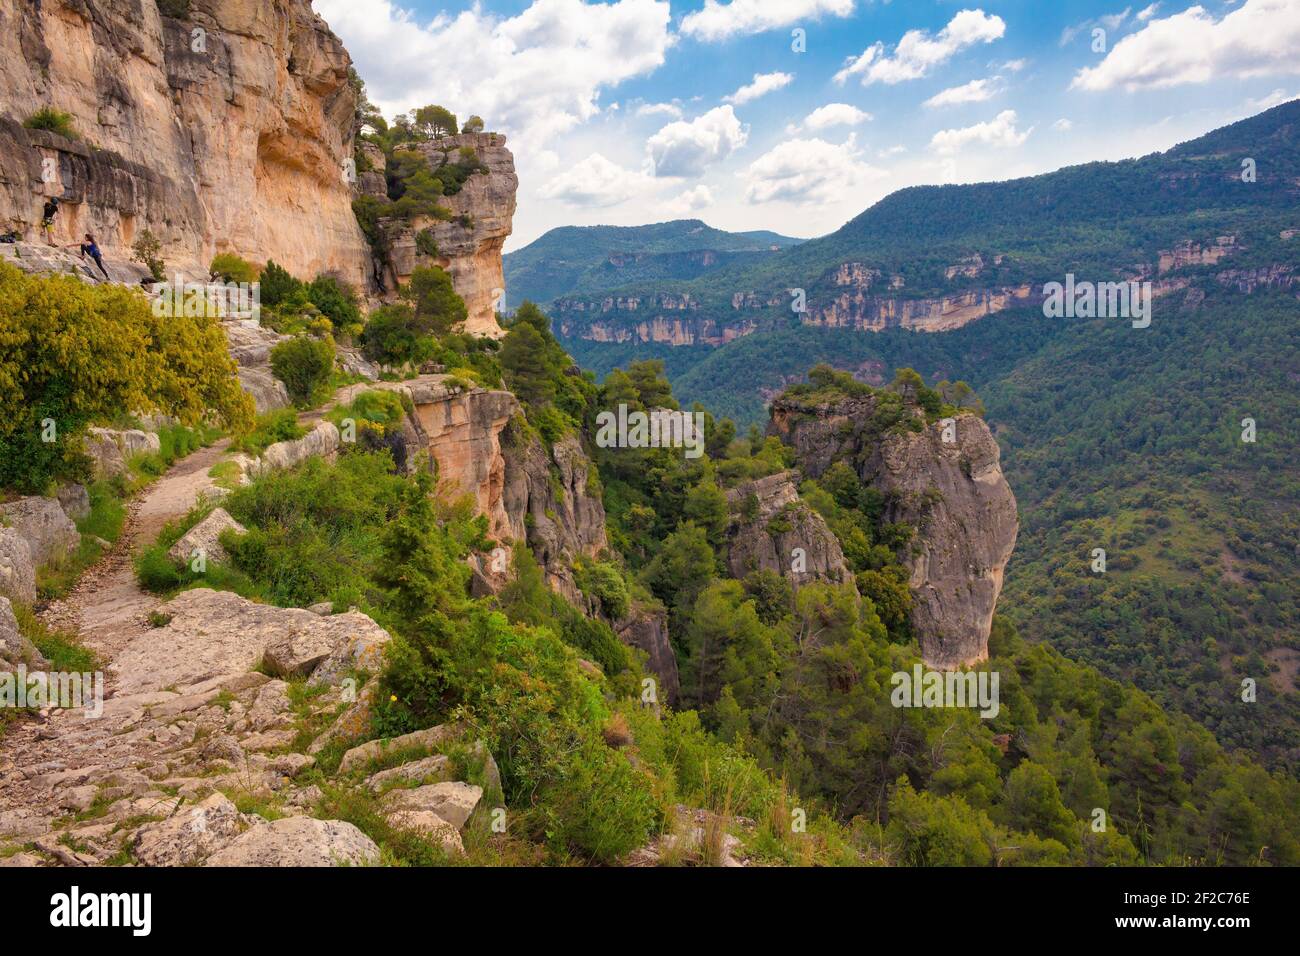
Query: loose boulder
[[44, 525], [205, 539], [110, 449], [298, 841], [17, 570], [453, 801]]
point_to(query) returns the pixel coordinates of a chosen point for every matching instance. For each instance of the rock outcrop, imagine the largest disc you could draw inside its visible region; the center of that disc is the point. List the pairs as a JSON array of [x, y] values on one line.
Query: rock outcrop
[[15, 649], [647, 630], [110, 449], [548, 504], [951, 492], [468, 245], [298, 841], [772, 529], [857, 308], [17, 569], [227, 130], [250, 344], [214, 634], [321, 442], [456, 433], [43, 524]]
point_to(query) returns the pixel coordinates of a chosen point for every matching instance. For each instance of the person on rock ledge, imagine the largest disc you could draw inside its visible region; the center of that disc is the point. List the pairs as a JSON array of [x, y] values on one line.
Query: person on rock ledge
[[89, 248], [47, 218]]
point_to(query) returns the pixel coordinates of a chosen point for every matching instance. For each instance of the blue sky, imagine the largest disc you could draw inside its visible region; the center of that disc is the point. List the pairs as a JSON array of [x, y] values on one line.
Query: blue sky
[[639, 111]]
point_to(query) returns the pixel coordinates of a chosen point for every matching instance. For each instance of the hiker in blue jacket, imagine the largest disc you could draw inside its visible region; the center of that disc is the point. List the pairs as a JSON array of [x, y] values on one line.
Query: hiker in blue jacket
[[88, 248]]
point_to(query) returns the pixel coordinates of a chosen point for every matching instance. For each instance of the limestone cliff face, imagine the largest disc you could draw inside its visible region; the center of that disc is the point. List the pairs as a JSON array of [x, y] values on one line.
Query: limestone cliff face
[[772, 529], [548, 504], [858, 309], [952, 493], [663, 330], [457, 434], [647, 630], [226, 131], [469, 244]]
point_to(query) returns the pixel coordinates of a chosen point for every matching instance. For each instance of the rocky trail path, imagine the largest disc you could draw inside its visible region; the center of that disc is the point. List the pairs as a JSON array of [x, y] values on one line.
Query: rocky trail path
[[107, 607], [191, 721], [109, 610]]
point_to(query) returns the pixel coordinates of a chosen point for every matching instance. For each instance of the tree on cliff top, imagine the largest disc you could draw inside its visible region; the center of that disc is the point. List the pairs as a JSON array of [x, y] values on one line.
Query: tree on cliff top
[[436, 121]]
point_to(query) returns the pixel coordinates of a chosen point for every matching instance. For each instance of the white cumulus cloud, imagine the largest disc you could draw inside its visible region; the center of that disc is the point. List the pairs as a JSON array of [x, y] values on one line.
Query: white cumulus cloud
[[762, 84], [1259, 38], [976, 91], [659, 109], [596, 181], [808, 172], [1000, 131], [536, 75], [718, 21], [692, 200], [687, 148], [918, 52], [835, 114]]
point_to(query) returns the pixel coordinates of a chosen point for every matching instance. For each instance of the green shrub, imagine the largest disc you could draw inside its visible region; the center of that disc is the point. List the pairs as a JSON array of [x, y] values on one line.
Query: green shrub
[[271, 427], [604, 582], [392, 337], [425, 244], [55, 121], [335, 299], [376, 410], [314, 532], [64, 651], [228, 267], [145, 250], [599, 806], [72, 354], [277, 284], [304, 364], [438, 309]]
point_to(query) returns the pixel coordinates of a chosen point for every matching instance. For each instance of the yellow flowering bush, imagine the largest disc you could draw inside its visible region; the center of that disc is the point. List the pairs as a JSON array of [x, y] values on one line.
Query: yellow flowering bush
[[73, 354]]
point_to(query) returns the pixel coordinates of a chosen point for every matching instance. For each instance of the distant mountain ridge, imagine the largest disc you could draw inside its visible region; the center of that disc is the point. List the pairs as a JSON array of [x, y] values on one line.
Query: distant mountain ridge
[[591, 259], [1113, 438], [936, 258]]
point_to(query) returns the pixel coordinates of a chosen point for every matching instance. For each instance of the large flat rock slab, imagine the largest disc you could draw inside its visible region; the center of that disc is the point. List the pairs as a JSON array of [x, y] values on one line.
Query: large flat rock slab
[[216, 633]]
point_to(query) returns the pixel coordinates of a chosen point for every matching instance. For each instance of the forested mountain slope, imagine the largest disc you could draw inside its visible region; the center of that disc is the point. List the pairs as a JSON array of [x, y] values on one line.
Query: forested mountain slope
[[595, 258]]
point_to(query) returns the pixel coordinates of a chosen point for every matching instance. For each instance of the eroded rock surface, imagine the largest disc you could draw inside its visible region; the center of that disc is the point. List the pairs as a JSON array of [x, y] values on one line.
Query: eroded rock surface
[[469, 244], [952, 493], [773, 529], [236, 147], [43, 524]]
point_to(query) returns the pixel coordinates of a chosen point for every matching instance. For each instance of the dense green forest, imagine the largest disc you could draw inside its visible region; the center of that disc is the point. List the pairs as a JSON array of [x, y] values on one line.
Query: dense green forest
[[1112, 438], [1133, 443]]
